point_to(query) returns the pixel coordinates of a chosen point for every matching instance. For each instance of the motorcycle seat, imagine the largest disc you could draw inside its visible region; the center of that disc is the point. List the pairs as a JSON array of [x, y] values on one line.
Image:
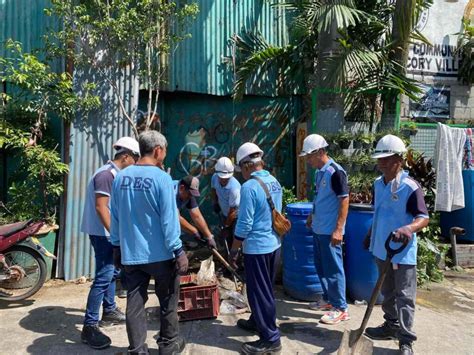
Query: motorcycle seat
[[12, 228]]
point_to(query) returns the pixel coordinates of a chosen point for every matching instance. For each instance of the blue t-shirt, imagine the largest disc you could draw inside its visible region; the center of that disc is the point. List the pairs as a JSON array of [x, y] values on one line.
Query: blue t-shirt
[[330, 185], [396, 204], [100, 183], [145, 220], [228, 196], [254, 222]]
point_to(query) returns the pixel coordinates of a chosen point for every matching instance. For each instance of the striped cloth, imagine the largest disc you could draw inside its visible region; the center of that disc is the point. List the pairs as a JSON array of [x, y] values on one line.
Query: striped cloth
[[468, 159]]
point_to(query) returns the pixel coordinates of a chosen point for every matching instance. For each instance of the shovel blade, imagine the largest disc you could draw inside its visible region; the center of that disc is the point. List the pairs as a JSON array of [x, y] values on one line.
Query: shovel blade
[[350, 345]]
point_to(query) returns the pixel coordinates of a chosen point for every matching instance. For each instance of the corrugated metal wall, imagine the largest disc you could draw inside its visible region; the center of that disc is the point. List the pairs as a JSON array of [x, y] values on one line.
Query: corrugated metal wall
[[202, 128], [25, 21], [198, 66], [90, 147]]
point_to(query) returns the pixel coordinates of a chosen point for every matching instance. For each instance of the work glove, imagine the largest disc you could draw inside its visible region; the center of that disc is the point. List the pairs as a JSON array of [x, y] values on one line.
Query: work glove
[[211, 243], [233, 257], [182, 263], [117, 257], [216, 208], [402, 235]]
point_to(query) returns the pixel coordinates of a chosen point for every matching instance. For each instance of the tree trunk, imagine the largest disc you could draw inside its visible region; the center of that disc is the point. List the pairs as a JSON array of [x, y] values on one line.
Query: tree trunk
[[330, 105], [402, 27]]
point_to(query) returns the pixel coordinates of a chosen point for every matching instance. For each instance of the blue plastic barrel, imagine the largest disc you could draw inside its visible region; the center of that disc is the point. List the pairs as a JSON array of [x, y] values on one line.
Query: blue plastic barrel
[[464, 217], [359, 264], [299, 274]]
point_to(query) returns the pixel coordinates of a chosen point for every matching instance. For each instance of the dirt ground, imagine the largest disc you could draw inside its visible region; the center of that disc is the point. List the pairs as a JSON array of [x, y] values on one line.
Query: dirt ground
[[51, 322]]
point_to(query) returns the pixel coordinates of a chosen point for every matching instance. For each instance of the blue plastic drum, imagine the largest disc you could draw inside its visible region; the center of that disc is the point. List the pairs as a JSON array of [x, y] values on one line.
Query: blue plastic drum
[[299, 274], [359, 263]]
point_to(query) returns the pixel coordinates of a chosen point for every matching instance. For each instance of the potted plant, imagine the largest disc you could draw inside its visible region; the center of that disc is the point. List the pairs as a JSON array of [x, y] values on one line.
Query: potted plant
[[344, 139]]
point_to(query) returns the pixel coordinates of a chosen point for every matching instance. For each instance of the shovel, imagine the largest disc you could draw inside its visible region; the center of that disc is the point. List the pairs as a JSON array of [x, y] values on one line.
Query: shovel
[[353, 343]]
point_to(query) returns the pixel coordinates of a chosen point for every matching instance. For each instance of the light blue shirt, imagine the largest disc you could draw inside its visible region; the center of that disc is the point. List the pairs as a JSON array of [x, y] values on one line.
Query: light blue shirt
[[330, 185], [390, 214], [228, 196], [145, 221], [254, 222], [100, 183]]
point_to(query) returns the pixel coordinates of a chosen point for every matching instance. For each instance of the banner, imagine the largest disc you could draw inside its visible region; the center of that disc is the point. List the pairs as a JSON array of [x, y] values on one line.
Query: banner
[[434, 103]]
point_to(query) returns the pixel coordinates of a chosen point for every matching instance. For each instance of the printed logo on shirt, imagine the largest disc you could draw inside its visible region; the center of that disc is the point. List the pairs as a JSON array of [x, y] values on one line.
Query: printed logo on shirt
[[394, 197], [136, 183], [273, 186]]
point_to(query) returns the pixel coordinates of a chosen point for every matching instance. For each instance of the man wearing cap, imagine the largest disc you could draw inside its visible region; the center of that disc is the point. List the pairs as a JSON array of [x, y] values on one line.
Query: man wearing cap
[[330, 207], [145, 233], [261, 249], [96, 223], [225, 193], [187, 189], [400, 212]]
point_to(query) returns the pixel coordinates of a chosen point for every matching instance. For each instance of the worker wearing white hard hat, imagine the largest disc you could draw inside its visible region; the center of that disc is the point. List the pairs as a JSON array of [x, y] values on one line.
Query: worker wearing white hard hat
[[260, 247], [327, 222], [96, 223], [225, 195], [400, 212]]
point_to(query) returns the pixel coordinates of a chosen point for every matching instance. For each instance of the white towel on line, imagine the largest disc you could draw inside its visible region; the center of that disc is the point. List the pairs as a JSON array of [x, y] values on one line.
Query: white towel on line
[[449, 152]]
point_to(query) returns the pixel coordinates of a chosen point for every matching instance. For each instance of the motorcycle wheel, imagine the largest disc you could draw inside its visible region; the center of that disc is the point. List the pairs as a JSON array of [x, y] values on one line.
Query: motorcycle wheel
[[34, 267]]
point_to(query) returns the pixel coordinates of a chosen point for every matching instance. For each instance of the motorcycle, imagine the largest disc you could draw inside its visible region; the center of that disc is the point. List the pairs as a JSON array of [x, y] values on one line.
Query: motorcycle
[[22, 259]]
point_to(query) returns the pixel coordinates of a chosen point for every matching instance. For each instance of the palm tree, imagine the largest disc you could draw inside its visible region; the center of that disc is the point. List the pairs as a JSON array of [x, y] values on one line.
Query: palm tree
[[368, 63]]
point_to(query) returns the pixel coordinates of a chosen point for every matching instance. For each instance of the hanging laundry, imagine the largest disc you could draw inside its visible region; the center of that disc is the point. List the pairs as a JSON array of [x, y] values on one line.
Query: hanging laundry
[[449, 152]]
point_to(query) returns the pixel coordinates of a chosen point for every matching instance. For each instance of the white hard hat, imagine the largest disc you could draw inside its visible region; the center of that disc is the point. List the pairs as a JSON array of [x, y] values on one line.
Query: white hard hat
[[246, 150], [127, 143], [312, 143], [224, 168], [389, 145]]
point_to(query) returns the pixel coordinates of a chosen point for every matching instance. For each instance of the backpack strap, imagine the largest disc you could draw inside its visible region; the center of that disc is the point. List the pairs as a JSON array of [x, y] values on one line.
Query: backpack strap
[[265, 188]]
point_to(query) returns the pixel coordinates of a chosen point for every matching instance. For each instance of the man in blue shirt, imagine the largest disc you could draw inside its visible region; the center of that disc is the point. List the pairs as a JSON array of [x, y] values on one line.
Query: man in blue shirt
[[96, 223], [399, 208], [187, 189], [261, 249], [145, 233], [225, 195], [330, 207]]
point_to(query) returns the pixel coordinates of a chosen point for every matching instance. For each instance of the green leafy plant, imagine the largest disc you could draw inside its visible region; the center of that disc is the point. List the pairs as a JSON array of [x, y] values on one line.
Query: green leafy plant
[[288, 197], [35, 94], [106, 36], [466, 51]]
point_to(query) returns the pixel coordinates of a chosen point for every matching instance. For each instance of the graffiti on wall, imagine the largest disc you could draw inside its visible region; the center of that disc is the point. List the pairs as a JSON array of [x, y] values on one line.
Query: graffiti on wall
[[209, 136]]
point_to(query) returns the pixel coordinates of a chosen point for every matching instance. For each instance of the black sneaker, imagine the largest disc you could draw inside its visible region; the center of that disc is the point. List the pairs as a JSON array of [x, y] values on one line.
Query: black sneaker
[[112, 318], [247, 325], [92, 336], [386, 331], [261, 347], [167, 347], [405, 349]]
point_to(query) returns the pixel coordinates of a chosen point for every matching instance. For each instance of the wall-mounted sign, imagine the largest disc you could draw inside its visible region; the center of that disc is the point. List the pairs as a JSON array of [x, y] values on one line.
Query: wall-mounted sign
[[433, 104], [439, 24]]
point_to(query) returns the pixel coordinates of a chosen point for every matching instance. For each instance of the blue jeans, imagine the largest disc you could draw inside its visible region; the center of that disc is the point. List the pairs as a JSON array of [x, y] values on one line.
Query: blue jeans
[[330, 269], [102, 291]]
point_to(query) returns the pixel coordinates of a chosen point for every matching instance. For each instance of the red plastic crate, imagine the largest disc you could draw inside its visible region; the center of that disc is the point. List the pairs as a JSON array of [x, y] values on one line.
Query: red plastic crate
[[197, 302]]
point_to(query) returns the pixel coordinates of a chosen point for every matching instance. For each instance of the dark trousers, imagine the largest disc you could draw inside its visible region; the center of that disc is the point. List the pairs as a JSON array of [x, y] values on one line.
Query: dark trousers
[[166, 289], [260, 271], [399, 292]]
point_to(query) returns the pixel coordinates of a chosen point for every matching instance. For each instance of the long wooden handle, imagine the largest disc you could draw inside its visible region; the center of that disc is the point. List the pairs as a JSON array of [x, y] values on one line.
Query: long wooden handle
[[226, 264]]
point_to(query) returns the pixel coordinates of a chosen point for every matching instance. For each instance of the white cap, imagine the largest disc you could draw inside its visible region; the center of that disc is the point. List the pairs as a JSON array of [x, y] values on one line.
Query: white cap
[[389, 145], [247, 149], [224, 168], [127, 143], [312, 143]]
